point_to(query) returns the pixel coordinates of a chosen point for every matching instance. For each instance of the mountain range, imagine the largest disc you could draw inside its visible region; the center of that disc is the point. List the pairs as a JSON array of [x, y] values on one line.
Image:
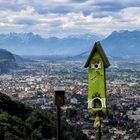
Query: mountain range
[[31, 44], [118, 44]]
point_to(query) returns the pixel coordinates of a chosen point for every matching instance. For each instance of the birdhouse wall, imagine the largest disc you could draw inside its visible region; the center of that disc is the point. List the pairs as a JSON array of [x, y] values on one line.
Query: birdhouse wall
[[96, 63], [96, 77]]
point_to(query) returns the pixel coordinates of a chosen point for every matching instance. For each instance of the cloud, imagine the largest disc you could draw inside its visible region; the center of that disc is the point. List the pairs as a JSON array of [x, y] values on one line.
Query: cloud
[[65, 17]]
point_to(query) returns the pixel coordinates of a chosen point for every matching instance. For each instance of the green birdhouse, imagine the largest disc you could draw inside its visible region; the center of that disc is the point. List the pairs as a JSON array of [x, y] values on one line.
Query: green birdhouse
[[96, 64]]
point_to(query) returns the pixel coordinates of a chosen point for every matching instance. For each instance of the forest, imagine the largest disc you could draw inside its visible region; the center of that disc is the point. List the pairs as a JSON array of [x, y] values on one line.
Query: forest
[[21, 122]]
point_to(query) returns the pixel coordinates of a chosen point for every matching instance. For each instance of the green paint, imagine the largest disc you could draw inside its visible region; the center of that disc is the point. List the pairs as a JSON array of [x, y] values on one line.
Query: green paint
[[96, 78], [96, 63]]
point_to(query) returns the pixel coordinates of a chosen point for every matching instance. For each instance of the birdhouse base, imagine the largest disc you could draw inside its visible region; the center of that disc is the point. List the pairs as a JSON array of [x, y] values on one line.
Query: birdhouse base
[[97, 103]]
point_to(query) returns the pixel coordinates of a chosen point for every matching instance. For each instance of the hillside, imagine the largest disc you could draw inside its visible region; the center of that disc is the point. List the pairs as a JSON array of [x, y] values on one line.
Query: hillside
[[20, 122], [123, 44], [22, 60], [7, 61]]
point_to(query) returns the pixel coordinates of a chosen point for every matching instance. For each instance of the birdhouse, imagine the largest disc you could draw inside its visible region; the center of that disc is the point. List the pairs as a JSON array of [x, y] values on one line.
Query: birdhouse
[[96, 64], [59, 96]]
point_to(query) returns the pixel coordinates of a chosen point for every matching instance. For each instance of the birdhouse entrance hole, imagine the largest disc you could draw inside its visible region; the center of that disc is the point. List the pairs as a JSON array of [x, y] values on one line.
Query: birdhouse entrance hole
[[96, 65], [97, 103]]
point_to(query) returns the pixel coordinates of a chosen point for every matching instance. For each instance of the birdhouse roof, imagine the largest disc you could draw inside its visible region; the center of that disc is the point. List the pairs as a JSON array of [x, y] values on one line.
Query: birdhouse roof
[[97, 46]]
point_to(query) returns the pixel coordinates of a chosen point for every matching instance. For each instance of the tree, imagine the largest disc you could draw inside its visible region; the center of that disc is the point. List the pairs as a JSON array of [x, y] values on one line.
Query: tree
[[36, 135]]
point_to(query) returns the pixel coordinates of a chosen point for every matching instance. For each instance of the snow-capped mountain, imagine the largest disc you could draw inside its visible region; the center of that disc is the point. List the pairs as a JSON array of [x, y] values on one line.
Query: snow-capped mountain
[[118, 44], [31, 44]]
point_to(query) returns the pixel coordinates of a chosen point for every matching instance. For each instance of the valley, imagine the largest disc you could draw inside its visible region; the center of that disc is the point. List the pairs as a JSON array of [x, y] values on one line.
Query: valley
[[34, 85]]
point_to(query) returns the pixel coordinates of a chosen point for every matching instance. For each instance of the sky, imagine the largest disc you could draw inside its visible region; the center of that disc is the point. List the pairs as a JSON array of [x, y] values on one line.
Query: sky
[[61, 18]]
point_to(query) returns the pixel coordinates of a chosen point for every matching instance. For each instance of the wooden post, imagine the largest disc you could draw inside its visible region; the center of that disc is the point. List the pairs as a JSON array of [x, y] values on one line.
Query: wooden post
[[97, 126], [58, 123], [98, 133], [59, 101]]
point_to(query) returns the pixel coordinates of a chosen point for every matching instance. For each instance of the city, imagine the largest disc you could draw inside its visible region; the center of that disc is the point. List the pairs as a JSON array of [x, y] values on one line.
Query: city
[[33, 84]]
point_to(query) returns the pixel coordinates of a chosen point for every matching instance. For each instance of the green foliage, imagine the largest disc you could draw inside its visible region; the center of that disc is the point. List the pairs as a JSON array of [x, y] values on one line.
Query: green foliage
[[19, 122]]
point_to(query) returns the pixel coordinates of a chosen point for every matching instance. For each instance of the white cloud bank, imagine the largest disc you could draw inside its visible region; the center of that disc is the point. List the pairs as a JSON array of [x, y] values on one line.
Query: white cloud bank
[[66, 17]]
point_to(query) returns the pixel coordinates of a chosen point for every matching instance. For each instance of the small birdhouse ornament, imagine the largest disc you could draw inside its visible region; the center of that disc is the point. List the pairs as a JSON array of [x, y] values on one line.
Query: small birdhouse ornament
[[96, 64]]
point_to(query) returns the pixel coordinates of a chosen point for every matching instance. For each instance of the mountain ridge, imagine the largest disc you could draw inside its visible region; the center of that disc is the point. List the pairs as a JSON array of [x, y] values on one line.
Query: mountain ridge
[[7, 61], [121, 43], [31, 44]]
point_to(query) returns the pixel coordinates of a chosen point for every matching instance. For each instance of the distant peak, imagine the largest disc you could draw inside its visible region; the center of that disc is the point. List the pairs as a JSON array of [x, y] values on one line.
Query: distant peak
[[30, 33], [124, 31], [121, 31], [20, 34], [86, 36]]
